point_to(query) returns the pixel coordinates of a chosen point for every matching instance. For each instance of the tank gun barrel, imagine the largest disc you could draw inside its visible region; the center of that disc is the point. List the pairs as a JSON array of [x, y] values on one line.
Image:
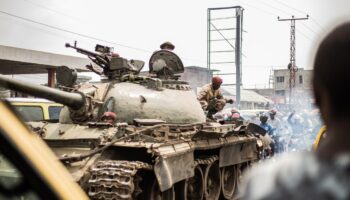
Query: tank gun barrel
[[72, 100]]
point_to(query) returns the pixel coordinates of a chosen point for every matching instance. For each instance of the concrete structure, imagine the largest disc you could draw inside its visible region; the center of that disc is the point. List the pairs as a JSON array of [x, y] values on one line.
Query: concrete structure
[[302, 91], [24, 61]]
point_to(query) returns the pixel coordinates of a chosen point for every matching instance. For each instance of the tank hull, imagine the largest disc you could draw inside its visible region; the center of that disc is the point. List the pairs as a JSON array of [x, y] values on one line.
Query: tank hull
[[170, 158]]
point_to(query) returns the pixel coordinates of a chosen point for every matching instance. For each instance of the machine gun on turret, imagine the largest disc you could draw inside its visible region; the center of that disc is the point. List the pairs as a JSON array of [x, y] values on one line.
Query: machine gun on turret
[[113, 66], [101, 59]]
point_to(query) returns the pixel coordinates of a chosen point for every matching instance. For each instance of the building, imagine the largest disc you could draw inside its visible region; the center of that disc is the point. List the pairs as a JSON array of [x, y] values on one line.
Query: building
[[249, 99], [266, 92], [196, 76], [301, 93]]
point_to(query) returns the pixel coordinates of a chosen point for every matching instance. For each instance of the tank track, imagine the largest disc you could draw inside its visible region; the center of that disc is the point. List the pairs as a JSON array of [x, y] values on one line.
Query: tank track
[[206, 161], [116, 179]]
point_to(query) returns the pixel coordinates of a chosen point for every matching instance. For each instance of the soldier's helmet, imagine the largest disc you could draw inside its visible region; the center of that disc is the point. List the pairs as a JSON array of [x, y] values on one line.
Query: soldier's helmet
[[167, 45]]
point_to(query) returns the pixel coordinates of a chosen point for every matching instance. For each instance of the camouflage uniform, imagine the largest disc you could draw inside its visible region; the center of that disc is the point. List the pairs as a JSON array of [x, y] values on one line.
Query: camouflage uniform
[[207, 95]]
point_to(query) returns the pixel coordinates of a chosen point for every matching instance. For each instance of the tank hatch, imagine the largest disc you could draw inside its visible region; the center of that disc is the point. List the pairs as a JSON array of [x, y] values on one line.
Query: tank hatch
[[165, 63]]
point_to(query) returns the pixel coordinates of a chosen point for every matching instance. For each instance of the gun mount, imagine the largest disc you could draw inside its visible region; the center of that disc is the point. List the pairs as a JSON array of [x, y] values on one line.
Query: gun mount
[[108, 63]]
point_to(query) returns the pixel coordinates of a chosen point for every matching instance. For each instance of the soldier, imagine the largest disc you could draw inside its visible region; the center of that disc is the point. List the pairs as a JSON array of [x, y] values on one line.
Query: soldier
[[109, 117], [210, 97], [167, 46]]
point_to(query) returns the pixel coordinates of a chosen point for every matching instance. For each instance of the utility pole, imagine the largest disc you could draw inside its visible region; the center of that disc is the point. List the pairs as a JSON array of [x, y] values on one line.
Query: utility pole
[[292, 66]]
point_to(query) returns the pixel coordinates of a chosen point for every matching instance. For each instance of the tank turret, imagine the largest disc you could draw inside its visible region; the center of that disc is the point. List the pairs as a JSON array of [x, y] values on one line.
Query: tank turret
[[160, 96]]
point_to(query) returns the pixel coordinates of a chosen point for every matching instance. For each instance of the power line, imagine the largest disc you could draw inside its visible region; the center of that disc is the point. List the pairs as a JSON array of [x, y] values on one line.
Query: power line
[[282, 3], [288, 13], [316, 22], [74, 33], [50, 9], [257, 8], [45, 31], [263, 10], [271, 6], [310, 29], [301, 33], [300, 11], [87, 36]]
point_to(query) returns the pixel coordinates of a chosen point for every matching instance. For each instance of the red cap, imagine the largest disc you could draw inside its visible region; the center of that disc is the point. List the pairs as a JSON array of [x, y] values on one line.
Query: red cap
[[235, 116], [109, 114], [234, 110], [114, 54], [216, 80]]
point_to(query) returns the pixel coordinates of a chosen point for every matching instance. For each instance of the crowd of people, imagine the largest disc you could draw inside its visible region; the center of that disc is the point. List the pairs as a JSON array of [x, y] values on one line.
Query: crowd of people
[[323, 174], [287, 130]]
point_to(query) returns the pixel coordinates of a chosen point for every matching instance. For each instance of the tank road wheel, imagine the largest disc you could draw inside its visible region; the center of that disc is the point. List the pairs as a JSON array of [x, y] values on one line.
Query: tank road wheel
[[240, 169], [192, 188], [228, 181], [153, 192], [212, 182]]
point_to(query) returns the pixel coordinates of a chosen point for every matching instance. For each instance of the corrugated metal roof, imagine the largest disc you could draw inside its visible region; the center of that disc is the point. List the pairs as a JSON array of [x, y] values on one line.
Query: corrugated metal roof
[[247, 96]]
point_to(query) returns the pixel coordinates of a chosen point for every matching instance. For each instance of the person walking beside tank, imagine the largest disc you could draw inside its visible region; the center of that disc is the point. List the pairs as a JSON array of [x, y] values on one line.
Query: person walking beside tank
[[211, 98], [263, 123], [274, 121], [268, 142], [324, 174]]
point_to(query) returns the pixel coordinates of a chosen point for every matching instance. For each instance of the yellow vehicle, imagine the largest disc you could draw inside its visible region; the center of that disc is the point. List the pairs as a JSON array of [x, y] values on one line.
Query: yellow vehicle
[[28, 168], [321, 135], [33, 109]]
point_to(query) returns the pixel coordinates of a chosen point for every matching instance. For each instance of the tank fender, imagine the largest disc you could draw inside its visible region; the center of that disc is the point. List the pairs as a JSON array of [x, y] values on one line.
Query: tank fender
[[172, 169], [238, 153]]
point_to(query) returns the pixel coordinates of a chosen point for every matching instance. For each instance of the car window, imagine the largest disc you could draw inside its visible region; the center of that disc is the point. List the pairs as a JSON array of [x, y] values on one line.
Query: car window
[[54, 112], [30, 113], [12, 184]]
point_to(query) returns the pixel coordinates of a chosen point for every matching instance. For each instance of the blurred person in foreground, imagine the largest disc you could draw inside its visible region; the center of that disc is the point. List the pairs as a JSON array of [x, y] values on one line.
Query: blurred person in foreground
[[325, 174]]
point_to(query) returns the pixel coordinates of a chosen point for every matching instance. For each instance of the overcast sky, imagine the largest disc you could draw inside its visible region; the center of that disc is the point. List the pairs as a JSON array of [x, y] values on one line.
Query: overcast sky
[[137, 28]]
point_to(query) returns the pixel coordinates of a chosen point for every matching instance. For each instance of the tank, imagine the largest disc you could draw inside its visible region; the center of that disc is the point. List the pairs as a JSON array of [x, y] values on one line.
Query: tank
[[159, 145]]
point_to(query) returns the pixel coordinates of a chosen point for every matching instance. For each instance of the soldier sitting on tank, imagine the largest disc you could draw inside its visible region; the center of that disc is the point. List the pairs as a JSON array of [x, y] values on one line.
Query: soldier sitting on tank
[[109, 117], [210, 97]]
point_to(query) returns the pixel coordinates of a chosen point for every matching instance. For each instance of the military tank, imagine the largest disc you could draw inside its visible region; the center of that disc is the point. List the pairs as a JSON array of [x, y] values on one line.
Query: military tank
[[159, 146]]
